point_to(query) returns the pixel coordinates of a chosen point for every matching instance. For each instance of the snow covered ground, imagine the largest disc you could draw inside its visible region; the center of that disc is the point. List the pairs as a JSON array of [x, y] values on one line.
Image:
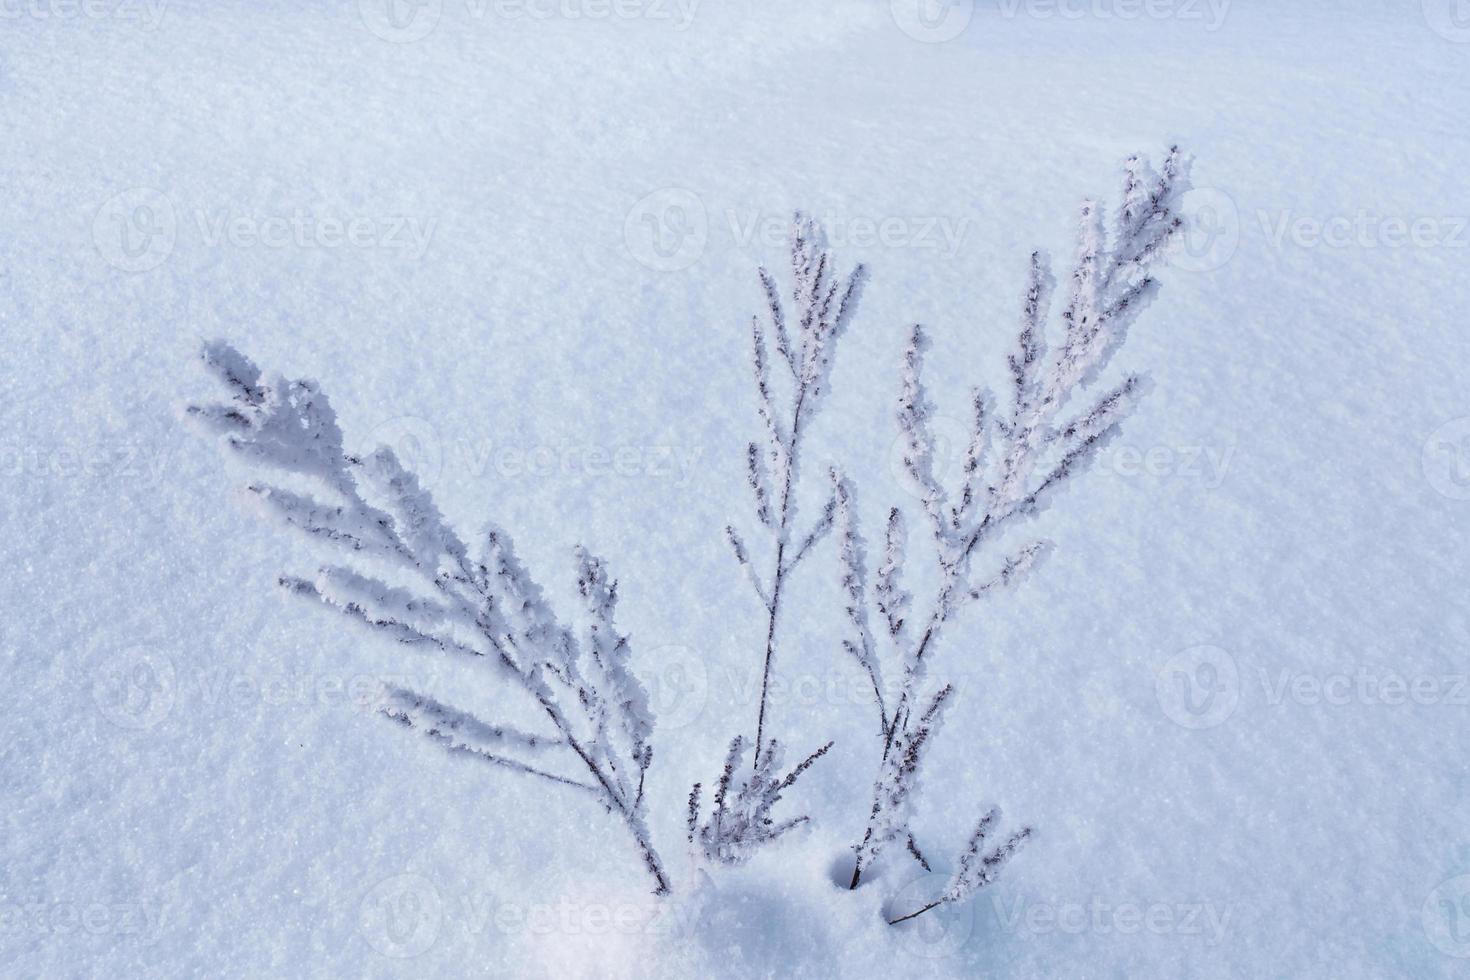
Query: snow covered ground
[[517, 241]]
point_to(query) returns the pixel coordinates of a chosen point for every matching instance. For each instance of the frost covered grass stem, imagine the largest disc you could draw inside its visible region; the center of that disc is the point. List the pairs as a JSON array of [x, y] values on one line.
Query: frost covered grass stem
[[484, 608], [822, 305], [1014, 464]]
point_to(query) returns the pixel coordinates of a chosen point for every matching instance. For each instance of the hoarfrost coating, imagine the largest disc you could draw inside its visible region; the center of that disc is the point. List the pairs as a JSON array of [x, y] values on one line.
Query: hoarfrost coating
[[1253, 614], [488, 608]]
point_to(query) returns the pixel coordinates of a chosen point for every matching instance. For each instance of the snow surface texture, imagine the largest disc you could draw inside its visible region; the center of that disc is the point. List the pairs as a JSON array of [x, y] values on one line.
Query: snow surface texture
[[1230, 702]]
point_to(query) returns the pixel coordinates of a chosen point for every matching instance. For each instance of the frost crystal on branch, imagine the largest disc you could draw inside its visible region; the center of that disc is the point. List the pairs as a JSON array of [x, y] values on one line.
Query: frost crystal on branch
[[977, 868], [459, 731], [801, 348], [859, 645], [740, 820], [486, 609], [786, 401], [898, 782], [1014, 463]]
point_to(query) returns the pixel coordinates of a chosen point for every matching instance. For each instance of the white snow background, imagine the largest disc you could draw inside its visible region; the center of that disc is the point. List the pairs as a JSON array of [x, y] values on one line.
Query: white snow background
[[187, 787]]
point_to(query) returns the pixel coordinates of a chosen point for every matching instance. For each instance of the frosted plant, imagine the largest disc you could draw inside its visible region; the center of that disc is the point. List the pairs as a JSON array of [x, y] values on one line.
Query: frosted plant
[[1014, 464], [976, 867], [787, 400], [485, 608], [740, 820], [411, 578]]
